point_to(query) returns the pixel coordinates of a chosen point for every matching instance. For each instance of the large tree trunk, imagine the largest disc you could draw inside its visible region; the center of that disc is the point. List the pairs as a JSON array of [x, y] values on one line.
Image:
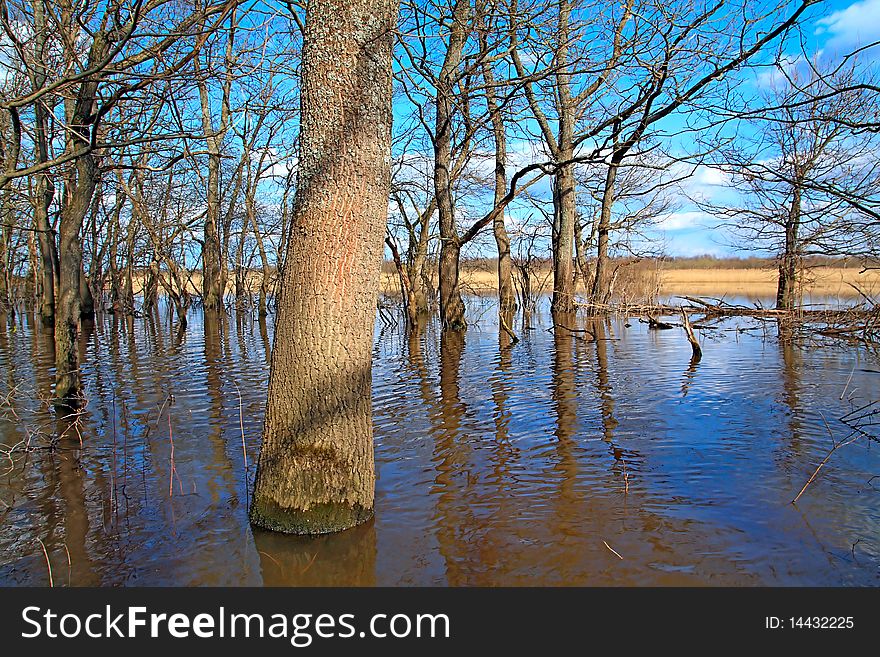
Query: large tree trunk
[[8, 218], [48, 250], [420, 277], [506, 293], [564, 209], [564, 199], [79, 188], [43, 187], [786, 292], [451, 304], [78, 199], [315, 473], [212, 279], [600, 294], [68, 315]]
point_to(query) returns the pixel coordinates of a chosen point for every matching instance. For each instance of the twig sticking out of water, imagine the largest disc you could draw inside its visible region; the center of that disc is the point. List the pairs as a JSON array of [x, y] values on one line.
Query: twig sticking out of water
[[842, 394], [834, 447], [243, 447], [309, 565], [173, 472], [275, 561], [48, 563], [616, 553], [864, 416], [859, 421], [69, 564]]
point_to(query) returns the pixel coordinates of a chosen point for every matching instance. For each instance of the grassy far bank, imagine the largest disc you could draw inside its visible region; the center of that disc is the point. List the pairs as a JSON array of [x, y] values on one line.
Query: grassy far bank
[[827, 282], [701, 276], [638, 281]]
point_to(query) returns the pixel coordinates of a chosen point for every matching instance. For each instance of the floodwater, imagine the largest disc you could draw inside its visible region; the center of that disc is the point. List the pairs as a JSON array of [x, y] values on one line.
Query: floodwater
[[561, 460]]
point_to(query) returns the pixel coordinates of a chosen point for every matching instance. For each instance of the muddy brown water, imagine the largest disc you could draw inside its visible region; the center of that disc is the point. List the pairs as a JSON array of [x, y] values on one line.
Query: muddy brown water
[[561, 460]]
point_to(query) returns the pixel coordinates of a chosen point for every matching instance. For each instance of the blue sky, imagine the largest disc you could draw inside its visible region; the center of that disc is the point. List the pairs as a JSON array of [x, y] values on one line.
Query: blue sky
[[834, 28], [838, 29]]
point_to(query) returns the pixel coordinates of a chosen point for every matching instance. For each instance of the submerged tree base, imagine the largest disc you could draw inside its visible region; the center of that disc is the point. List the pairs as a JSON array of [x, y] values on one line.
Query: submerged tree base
[[324, 518]]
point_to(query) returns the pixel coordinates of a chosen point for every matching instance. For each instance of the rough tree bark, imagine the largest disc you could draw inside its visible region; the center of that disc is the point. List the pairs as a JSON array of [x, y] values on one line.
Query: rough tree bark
[[564, 212], [451, 304], [213, 253], [564, 197], [79, 186], [786, 292], [44, 188], [506, 293], [315, 472], [600, 292]]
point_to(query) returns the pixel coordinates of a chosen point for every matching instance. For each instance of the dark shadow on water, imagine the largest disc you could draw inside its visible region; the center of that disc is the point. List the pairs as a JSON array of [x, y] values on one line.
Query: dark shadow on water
[[344, 559]]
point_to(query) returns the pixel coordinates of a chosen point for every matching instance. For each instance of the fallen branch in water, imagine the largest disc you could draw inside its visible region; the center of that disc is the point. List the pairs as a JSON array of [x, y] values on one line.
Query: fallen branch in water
[[689, 331], [572, 330], [657, 325], [507, 329]]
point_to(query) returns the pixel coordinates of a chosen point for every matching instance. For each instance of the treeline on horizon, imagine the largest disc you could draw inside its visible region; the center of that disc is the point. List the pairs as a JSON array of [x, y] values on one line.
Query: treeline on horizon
[[703, 261]]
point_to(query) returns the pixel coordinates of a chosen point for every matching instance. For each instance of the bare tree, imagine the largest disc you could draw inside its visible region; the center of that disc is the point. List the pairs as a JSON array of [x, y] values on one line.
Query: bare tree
[[106, 52], [609, 77], [797, 169]]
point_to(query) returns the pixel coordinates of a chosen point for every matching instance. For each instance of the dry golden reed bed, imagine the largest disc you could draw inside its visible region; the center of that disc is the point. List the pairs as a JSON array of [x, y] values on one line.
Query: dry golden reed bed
[[825, 281], [720, 282]]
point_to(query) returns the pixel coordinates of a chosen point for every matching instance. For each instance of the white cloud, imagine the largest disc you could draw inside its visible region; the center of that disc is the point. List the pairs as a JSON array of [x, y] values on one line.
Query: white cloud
[[856, 25], [707, 184], [711, 177], [681, 220]]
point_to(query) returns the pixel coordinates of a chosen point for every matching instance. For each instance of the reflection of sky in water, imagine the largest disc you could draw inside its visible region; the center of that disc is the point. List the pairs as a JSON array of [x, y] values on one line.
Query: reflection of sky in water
[[496, 466]]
